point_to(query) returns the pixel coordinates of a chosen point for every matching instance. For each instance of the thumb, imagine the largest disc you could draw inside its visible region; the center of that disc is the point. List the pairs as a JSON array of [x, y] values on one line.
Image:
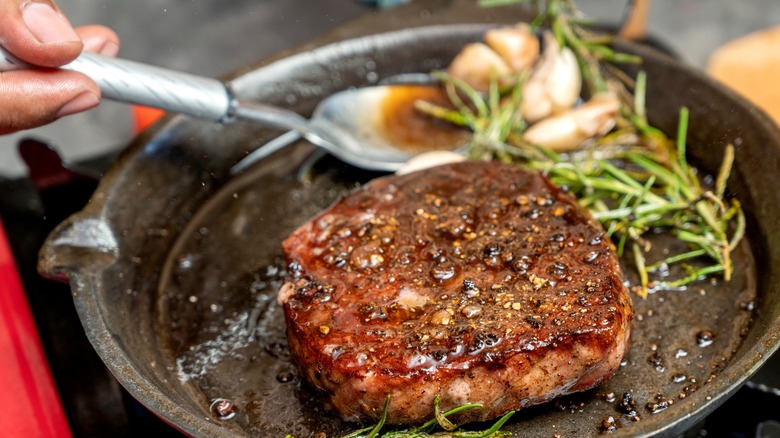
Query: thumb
[[38, 32]]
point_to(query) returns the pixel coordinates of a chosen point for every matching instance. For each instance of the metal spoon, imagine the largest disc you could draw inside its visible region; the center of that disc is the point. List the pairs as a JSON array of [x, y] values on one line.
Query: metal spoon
[[341, 124]]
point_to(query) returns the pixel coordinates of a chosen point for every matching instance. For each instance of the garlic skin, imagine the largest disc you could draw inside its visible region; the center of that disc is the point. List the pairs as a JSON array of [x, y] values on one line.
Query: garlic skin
[[565, 131], [554, 85], [477, 64]]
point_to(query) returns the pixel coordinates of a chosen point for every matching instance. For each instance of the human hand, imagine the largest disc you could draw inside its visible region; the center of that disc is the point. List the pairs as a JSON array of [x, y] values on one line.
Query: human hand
[[37, 32]]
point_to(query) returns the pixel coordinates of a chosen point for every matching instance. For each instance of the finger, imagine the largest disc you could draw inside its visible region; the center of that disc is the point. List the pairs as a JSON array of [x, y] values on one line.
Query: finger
[[37, 32], [32, 98], [99, 39]]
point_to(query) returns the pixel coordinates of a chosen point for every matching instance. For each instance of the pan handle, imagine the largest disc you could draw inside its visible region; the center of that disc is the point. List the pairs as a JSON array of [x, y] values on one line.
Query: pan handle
[[142, 84]]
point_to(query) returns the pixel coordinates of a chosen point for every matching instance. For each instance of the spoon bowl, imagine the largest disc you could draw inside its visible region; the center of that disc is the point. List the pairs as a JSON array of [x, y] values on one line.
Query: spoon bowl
[[344, 124]]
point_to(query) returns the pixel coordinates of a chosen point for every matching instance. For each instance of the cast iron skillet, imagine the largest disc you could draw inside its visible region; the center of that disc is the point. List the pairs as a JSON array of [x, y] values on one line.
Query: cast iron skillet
[[174, 264]]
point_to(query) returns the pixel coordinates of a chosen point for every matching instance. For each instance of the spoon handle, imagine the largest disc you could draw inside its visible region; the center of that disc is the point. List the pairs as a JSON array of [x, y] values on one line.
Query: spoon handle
[[142, 84]]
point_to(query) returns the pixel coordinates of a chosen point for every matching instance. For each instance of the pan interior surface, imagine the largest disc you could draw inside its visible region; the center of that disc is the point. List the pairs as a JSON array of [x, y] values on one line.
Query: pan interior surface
[[225, 331]]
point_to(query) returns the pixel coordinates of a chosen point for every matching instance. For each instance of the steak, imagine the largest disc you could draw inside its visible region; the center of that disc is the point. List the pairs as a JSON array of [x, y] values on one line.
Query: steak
[[477, 282]]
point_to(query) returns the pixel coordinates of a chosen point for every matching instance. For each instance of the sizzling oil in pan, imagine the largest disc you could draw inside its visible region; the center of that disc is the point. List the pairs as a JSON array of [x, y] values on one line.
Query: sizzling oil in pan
[[226, 333]]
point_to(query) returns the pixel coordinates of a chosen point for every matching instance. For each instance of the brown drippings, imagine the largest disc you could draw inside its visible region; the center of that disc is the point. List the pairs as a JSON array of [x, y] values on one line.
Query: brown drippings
[[705, 338], [411, 130], [609, 424]]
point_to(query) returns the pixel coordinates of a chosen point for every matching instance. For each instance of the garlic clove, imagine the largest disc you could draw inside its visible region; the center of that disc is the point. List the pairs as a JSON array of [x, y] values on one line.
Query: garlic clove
[[477, 64], [517, 46], [566, 131]]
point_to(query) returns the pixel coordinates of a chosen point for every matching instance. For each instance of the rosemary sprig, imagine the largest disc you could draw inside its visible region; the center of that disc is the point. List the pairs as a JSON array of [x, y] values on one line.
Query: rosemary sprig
[[450, 430], [634, 181], [657, 197]]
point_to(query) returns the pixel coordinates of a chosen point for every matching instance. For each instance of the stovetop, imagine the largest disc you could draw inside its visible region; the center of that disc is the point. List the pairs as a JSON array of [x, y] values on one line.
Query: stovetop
[[94, 402]]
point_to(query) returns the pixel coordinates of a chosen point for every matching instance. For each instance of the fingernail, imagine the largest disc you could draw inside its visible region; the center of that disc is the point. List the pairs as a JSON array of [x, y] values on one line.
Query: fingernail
[[47, 25], [100, 46], [110, 48], [82, 102]]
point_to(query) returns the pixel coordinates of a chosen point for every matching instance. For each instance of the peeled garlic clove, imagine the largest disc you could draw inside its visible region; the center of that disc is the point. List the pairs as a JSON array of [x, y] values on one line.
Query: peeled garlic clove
[[517, 46], [566, 131], [599, 115], [477, 64], [555, 83], [564, 83], [429, 159], [535, 104]]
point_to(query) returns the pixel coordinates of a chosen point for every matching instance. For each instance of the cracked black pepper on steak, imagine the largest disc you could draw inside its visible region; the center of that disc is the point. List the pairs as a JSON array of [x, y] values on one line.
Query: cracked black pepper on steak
[[478, 282]]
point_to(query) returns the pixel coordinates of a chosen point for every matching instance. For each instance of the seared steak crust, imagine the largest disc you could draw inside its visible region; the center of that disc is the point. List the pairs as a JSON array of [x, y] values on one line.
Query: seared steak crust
[[477, 281]]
